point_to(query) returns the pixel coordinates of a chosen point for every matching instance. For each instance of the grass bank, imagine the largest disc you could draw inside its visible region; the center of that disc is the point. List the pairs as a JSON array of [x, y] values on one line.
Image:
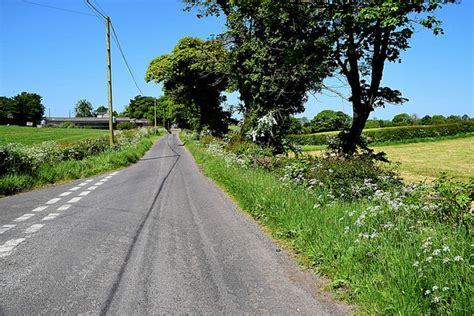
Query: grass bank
[[385, 261], [32, 135], [49, 173]]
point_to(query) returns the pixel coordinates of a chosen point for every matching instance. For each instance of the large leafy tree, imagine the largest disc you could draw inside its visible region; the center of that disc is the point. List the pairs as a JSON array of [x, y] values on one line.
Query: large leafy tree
[[366, 35], [140, 107], [83, 108], [363, 35], [195, 75], [22, 108], [274, 61]]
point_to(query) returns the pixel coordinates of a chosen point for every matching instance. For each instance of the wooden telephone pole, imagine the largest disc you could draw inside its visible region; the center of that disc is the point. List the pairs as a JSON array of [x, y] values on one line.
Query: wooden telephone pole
[[109, 81]]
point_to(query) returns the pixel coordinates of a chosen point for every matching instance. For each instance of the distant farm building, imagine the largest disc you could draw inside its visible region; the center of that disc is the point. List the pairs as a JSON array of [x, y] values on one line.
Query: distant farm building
[[92, 122]]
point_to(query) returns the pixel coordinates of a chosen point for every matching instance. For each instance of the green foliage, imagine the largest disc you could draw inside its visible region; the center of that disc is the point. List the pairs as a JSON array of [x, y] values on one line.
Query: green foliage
[[67, 125], [438, 119], [391, 134], [126, 125], [329, 120], [194, 76], [101, 110], [426, 120], [22, 108], [83, 108], [402, 119], [294, 126]]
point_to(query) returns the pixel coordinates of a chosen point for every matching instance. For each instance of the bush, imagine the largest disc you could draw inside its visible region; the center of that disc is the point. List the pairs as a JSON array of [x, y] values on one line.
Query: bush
[[391, 134], [126, 125], [67, 125]]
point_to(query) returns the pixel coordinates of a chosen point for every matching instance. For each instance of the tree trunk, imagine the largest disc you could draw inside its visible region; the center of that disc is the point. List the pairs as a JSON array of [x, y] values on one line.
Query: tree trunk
[[352, 139]]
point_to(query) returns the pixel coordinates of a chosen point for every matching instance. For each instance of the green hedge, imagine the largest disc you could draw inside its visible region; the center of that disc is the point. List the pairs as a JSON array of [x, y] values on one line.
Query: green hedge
[[390, 134]]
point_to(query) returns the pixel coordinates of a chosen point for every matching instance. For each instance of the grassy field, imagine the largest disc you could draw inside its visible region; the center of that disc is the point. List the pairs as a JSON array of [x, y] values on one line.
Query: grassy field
[[427, 160], [31, 135]]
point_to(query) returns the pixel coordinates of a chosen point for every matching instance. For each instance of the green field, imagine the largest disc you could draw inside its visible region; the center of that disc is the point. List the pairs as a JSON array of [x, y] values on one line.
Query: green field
[[427, 160], [31, 135]]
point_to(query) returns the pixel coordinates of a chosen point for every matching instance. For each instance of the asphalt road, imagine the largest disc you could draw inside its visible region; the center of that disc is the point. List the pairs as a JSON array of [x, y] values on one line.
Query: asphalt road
[[155, 238]]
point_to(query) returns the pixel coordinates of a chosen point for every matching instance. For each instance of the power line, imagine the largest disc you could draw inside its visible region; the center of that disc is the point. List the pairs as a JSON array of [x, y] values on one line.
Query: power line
[[116, 40], [115, 37], [56, 8]]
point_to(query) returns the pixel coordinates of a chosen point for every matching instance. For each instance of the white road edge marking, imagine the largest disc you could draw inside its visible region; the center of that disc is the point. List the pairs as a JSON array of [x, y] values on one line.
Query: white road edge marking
[[7, 248], [75, 188], [63, 207], [23, 217], [93, 187], [65, 193], [4, 228], [89, 180], [50, 216], [84, 193], [33, 228], [108, 177], [40, 208], [99, 183], [52, 201], [114, 173], [75, 199], [82, 184]]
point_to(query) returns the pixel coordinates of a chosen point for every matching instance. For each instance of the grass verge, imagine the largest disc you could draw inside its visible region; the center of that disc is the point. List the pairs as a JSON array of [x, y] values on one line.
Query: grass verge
[[75, 169], [395, 273]]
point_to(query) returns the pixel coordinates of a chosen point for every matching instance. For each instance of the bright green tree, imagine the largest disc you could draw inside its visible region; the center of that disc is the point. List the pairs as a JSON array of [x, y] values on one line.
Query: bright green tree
[[438, 119], [195, 75], [83, 108], [402, 119], [329, 120], [426, 120]]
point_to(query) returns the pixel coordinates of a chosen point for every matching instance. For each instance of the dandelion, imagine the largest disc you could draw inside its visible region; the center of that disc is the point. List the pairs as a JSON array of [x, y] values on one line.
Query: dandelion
[[445, 248], [457, 258], [429, 259]]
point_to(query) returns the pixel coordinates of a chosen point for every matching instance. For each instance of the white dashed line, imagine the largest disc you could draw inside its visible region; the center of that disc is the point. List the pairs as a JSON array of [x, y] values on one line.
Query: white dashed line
[[93, 187], [75, 188], [114, 173], [40, 208], [50, 216], [84, 193], [7, 248], [90, 180], [64, 207], [74, 200], [4, 228], [82, 184], [65, 193], [99, 183], [33, 228], [23, 217], [52, 201], [108, 177]]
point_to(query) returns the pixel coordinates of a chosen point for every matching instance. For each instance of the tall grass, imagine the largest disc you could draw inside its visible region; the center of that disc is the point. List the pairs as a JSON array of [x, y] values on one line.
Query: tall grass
[[75, 169], [386, 261]]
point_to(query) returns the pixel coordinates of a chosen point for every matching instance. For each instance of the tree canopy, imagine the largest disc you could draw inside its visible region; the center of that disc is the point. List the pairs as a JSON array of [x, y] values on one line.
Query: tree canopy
[[195, 75], [83, 108], [22, 108], [329, 120]]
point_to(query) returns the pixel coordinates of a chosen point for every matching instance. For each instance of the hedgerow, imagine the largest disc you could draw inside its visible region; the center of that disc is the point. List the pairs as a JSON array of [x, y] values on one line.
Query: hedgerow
[[390, 134]]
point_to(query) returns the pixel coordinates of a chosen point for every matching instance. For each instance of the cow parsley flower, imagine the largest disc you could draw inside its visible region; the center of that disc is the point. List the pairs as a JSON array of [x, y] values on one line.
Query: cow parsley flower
[[457, 258], [445, 248], [429, 259]]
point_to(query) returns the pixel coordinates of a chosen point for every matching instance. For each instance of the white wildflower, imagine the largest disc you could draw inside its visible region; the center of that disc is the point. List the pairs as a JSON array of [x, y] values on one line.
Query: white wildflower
[[457, 258]]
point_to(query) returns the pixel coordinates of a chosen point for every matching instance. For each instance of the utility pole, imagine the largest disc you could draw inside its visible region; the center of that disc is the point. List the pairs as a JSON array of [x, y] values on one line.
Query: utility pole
[[109, 81], [155, 115]]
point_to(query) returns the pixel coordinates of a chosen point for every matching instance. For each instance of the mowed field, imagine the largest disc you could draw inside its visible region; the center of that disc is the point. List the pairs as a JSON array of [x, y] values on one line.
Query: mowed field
[[427, 160], [33, 135]]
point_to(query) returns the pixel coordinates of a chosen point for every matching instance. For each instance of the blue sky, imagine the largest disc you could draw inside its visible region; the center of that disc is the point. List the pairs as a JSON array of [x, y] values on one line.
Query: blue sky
[[61, 55]]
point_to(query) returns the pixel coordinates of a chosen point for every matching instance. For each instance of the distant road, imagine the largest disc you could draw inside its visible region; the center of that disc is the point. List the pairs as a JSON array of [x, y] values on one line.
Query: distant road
[[155, 238]]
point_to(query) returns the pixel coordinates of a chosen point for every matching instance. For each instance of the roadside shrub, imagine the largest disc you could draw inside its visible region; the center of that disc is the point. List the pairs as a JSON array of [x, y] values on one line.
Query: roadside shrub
[[67, 125], [390, 134], [126, 125]]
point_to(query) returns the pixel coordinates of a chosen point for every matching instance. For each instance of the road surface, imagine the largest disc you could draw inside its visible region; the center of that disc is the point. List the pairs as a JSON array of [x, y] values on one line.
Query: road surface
[[155, 238]]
